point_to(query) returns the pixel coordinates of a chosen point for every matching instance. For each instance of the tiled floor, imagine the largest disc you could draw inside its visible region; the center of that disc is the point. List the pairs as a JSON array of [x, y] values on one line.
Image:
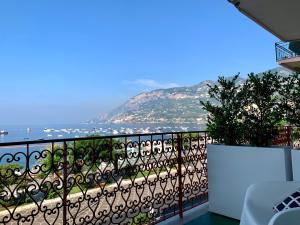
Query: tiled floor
[[213, 219]]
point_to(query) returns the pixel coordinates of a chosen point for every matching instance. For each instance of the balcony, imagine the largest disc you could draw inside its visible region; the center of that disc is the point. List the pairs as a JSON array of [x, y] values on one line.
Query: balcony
[[125, 179], [287, 55], [129, 179]]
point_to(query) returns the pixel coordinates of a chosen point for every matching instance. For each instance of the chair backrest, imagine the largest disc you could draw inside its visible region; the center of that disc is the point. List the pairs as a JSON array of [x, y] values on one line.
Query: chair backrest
[[287, 217]]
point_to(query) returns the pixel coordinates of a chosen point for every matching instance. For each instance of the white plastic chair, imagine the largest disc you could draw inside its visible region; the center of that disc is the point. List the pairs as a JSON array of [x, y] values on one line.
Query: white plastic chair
[[289, 217], [260, 199]]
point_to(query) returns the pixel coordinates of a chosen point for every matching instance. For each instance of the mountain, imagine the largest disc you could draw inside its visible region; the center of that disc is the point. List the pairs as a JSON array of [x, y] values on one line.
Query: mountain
[[177, 105], [172, 105]]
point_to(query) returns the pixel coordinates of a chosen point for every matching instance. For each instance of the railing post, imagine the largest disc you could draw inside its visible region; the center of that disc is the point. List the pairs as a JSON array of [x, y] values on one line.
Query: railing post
[[289, 131], [276, 52], [113, 156], [205, 139], [65, 177], [180, 185]]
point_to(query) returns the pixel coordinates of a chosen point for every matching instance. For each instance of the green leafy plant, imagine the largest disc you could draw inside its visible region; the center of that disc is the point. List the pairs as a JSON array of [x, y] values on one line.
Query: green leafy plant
[[91, 151], [9, 175], [295, 135], [83, 153], [141, 218], [224, 114], [295, 47], [248, 113], [84, 158], [290, 97], [52, 163], [263, 112], [12, 180]]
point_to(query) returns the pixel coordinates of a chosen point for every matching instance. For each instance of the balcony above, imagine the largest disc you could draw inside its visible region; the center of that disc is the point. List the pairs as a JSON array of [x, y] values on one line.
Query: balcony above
[[279, 17], [288, 55]]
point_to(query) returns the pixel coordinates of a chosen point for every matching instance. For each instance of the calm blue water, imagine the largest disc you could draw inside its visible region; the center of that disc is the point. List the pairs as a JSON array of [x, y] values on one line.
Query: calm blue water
[[35, 132]]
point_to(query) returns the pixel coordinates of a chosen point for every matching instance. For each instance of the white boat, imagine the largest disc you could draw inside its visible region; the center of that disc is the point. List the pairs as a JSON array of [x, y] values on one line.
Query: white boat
[[184, 128], [47, 130], [3, 132]]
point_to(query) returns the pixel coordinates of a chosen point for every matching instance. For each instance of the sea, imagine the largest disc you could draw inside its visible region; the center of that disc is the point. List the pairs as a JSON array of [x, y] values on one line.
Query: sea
[[47, 132], [19, 133]]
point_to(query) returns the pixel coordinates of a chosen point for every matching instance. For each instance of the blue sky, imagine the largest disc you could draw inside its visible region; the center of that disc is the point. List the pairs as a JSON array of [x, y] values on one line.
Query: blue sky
[[67, 61]]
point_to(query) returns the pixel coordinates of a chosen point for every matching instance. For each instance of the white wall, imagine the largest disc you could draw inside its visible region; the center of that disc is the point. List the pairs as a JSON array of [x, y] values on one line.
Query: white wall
[[296, 164], [232, 169]]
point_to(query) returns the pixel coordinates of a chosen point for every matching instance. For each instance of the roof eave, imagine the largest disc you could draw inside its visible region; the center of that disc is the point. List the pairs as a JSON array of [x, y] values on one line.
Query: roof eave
[[236, 3]]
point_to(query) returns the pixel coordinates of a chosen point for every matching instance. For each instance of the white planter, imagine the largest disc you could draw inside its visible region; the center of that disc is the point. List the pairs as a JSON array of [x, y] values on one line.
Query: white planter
[[296, 164], [232, 169]]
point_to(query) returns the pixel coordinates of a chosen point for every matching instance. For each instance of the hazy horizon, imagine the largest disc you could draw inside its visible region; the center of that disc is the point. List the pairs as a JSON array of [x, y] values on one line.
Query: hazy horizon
[[66, 62]]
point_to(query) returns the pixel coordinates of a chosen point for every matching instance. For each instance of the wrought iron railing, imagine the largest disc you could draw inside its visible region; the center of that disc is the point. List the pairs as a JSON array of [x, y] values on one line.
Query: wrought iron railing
[[288, 136], [127, 179], [284, 136], [284, 51]]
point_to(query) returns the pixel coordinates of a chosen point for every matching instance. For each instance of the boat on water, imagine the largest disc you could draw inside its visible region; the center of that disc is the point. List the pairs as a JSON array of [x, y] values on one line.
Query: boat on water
[[3, 132], [115, 132], [47, 130]]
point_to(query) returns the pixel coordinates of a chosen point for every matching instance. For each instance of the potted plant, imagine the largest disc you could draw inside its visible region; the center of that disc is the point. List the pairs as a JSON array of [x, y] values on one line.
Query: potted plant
[[290, 96], [243, 113], [263, 112], [224, 111]]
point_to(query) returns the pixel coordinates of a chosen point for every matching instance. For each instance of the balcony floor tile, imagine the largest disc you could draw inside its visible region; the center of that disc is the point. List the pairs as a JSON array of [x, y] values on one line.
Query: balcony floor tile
[[213, 219]]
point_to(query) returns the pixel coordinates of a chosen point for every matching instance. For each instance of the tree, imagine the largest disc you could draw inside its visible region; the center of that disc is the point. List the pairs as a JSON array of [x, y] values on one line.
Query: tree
[[264, 111], [97, 149], [290, 98], [224, 116], [52, 163], [82, 153], [13, 184], [9, 175]]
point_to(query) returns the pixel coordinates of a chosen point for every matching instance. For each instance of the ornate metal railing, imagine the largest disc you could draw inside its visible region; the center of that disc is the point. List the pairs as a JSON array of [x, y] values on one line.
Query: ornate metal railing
[[127, 179], [288, 136], [284, 51], [284, 136]]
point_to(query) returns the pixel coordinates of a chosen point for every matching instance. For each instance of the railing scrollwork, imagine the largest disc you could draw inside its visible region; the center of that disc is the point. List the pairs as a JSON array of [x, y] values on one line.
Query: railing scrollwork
[[125, 179]]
